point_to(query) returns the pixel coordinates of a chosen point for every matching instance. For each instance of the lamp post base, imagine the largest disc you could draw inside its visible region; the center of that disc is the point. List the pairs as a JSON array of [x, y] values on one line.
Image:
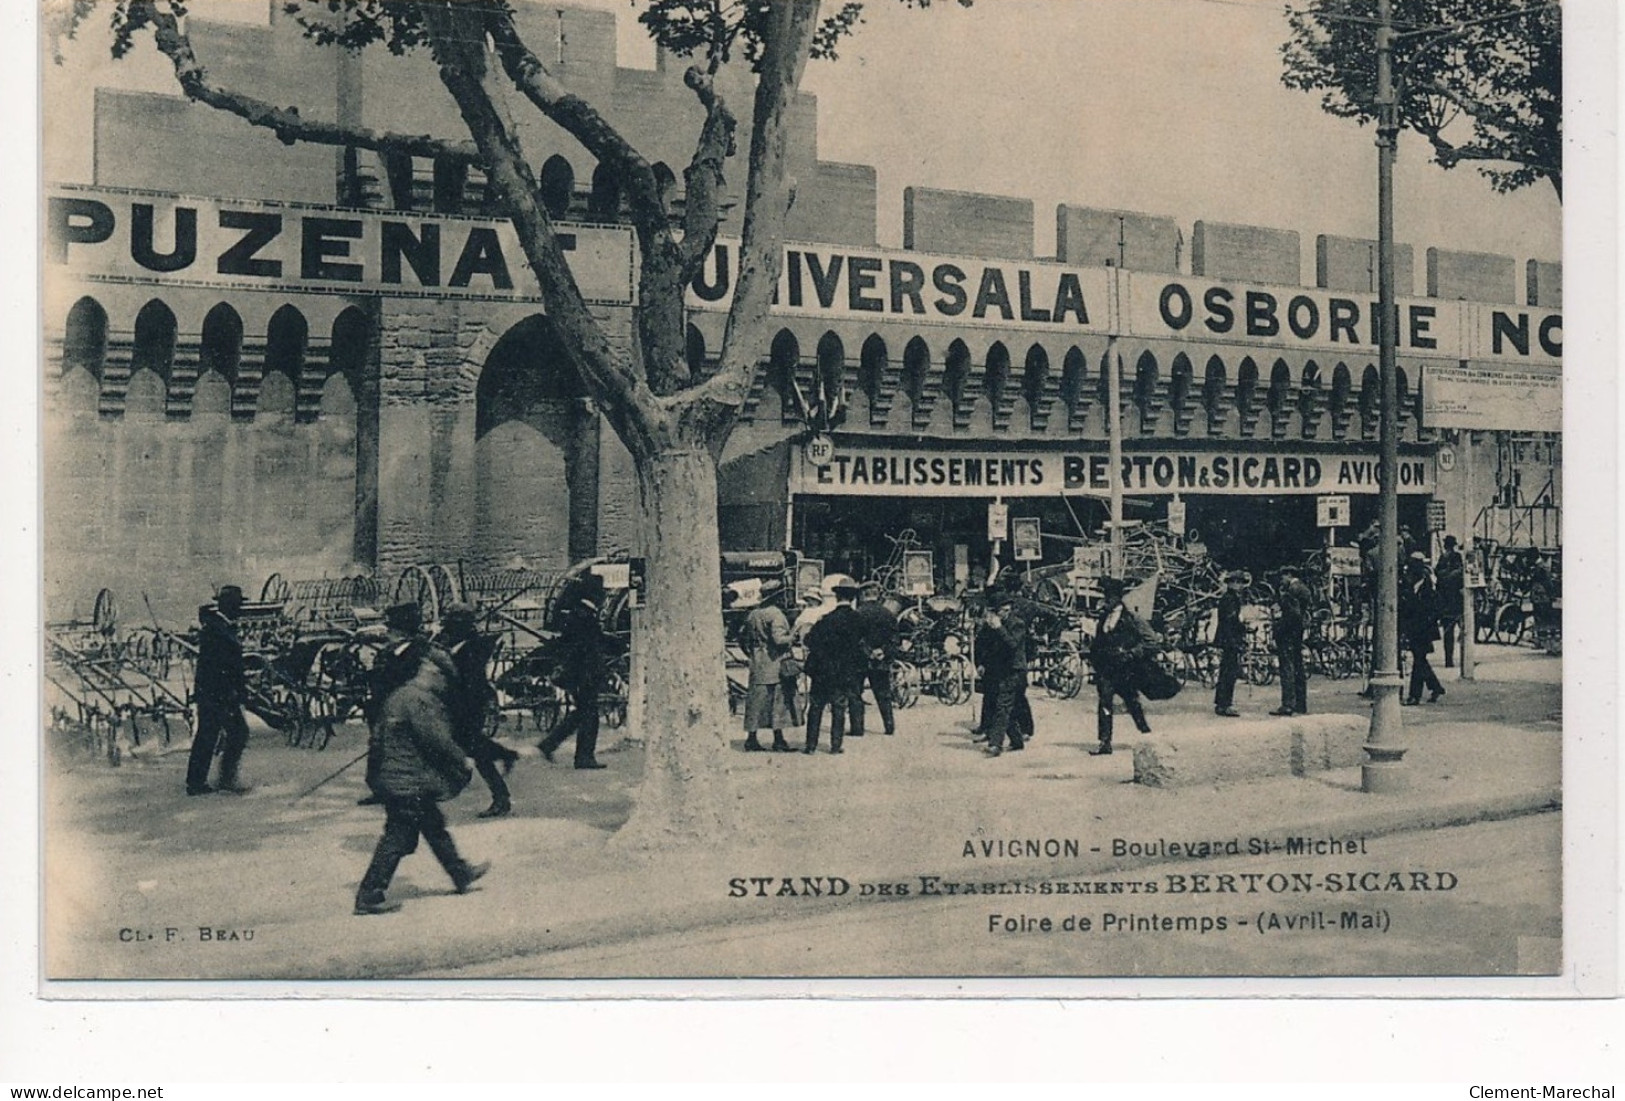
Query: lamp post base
[[1384, 772]]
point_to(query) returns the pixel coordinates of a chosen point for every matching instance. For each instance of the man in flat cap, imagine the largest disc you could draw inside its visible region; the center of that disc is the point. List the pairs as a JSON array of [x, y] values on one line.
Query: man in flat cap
[[220, 693], [472, 702], [413, 763], [1230, 636], [837, 662]]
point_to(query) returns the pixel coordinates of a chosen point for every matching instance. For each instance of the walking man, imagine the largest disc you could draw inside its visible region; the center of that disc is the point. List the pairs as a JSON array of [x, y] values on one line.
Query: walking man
[[837, 662], [1419, 627], [581, 673], [1122, 641], [412, 762], [1293, 600], [220, 694], [472, 700], [1230, 636], [1448, 577], [770, 697], [880, 636]]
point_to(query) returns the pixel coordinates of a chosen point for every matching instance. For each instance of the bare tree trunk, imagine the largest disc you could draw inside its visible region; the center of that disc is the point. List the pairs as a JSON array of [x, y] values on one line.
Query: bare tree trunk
[[686, 794]]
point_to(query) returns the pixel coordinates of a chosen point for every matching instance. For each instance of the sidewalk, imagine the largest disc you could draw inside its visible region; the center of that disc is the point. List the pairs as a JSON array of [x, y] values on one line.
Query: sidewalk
[[130, 858]]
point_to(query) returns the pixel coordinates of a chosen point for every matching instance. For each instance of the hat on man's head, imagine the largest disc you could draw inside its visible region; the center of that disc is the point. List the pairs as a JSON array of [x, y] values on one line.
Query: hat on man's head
[[229, 592], [845, 590], [1418, 556], [405, 616], [1449, 542], [1111, 587]]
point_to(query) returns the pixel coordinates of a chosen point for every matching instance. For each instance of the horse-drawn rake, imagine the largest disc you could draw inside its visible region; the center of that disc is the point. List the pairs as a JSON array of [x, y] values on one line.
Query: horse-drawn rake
[[106, 690]]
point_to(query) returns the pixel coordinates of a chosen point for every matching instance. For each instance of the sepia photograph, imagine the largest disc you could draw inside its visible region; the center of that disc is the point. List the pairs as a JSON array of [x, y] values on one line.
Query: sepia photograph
[[497, 454]]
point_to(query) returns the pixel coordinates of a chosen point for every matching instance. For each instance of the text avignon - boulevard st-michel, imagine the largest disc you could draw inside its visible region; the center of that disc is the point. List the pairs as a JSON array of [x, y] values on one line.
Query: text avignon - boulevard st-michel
[[1039, 848]]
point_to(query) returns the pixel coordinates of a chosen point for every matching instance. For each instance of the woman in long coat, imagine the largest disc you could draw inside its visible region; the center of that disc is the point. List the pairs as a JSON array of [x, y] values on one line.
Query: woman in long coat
[[770, 698]]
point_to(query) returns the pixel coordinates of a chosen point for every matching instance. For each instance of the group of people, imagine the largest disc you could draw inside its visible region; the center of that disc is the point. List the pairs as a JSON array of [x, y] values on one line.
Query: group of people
[[841, 649], [428, 708]]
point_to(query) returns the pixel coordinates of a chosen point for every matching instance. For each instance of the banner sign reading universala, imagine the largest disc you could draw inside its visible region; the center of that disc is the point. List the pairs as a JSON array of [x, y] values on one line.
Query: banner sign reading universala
[[119, 236], [914, 472], [840, 282]]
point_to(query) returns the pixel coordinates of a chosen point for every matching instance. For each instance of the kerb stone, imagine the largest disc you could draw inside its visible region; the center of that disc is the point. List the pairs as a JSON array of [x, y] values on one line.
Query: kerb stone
[[1240, 751]]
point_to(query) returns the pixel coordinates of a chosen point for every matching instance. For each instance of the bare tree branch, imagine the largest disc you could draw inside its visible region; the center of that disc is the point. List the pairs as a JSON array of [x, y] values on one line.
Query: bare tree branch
[[458, 39], [286, 122], [704, 178], [790, 27], [583, 122]]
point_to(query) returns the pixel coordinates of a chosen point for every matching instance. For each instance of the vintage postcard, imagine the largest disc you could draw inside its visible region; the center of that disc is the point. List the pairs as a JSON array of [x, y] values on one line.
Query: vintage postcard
[[987, 491]]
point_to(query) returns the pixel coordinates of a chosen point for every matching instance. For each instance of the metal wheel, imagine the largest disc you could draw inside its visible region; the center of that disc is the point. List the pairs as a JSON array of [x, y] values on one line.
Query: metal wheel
[[104, 613], [416, 587], [953, 683], [447, 589], [1063, 680], [276, 590], [905, 684], [1510, 623]]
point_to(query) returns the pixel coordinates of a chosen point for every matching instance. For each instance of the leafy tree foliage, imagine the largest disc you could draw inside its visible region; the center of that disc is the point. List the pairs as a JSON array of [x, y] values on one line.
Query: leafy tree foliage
[[1481, 80]]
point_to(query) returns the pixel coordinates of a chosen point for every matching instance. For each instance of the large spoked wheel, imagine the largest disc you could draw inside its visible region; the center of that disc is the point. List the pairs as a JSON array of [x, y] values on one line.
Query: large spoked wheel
[[1510, 622], [905, 684], [1064, 678], [104, 613], [415, 586], [953, 684], [276, 590]]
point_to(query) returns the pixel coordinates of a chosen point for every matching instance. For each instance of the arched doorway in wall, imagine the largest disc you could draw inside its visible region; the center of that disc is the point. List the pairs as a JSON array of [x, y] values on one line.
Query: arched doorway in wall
[[535, 453]]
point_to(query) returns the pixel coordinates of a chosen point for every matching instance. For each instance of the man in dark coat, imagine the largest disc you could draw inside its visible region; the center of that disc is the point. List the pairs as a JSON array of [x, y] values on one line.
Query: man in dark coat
[[580, 672], [1122, 641], [1419, 627], [1230, 636], [220, 694], [837, 662], [1294, 600], [1004, 673], [412, 762], [880, 636], [472, 700], [1449, 574]]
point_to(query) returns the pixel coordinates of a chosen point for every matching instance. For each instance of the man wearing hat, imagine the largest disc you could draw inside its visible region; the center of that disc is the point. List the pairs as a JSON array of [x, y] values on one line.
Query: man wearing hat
[[413, 763], [1230, 636], [880, 638], [1449, 575], [1294, 600], [1122, 641], [770, 697], [837, 662], [1419, 627], [472, 700], [220, 693], [1002, 654], [581, 672]]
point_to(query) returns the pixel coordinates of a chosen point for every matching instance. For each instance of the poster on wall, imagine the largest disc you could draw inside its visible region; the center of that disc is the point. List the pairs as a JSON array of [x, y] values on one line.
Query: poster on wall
[[318, 415]]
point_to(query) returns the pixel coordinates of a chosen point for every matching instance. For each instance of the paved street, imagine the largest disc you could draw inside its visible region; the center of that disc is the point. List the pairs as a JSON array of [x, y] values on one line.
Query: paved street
[[136, 871]]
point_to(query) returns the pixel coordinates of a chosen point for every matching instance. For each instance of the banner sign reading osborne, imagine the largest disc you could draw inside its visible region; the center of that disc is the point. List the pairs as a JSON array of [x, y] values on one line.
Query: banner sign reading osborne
[[1490, 398], [906, 472], [117, 236]]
